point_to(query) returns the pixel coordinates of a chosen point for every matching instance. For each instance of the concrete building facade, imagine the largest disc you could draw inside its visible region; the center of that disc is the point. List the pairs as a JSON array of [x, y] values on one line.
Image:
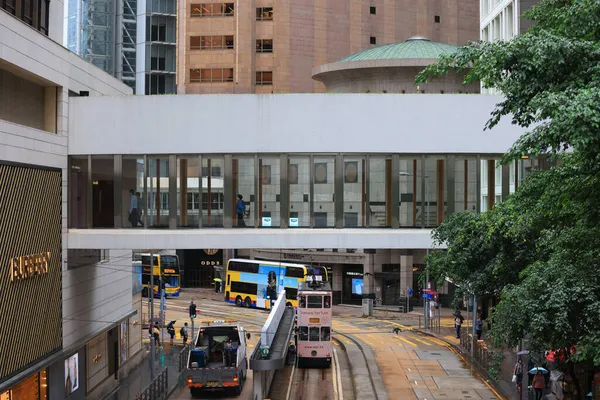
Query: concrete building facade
[[81, 303], [271, 46]]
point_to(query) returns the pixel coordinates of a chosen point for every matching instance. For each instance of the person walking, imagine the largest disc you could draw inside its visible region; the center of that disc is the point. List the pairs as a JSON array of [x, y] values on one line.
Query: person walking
[[240, 210], [133, 209], [538, 385], [184, 333], [478, 327], [458, 320], [138, 195], [156, 334], [518, 374], [171, 331]]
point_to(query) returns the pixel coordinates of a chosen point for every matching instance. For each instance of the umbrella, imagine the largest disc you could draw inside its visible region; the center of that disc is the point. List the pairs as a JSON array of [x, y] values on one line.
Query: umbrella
[[536, 369], [218, 280]]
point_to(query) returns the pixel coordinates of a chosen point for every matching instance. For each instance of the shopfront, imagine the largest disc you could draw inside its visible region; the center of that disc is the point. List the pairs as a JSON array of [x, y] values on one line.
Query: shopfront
[[30, 278], [200, 267]]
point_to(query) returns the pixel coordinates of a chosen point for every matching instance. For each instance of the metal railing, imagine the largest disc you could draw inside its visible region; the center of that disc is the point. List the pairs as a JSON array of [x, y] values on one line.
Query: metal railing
[[158, 389], [478, 351]]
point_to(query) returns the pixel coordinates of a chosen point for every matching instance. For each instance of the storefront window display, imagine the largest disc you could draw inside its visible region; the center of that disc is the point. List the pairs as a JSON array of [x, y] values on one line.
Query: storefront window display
[[33, 388]]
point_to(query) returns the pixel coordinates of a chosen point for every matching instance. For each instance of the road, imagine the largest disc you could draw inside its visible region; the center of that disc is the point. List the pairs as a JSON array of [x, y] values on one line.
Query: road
[[412, 365]]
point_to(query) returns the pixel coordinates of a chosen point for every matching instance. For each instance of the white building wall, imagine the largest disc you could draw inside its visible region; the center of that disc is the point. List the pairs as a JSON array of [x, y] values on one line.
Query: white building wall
[[292, 123]]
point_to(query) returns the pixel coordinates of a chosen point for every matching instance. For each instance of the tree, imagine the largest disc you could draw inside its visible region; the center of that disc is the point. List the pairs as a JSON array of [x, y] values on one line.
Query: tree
[[539, 250], [550, 77]]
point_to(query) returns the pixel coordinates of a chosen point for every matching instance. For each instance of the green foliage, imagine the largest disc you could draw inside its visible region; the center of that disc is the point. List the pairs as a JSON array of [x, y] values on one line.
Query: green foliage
[[550, 77], [539, 250], [496, 358]]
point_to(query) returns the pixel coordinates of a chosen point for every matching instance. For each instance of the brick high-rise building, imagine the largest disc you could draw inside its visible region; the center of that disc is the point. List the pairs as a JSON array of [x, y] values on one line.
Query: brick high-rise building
[[271, 46]]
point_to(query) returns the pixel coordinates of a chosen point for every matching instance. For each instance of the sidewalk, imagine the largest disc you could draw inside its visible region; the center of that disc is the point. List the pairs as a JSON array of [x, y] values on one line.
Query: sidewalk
[[504, 385], [139, 378]]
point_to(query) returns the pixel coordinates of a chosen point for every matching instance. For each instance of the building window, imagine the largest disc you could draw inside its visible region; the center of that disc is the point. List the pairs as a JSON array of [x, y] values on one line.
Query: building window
[[373, 40], [264, 14], [373, 10], [211, 42], [32, 12], [104, 255], [264, 45], [207, 75], [212, 10], [264, 77], [436, 19], [193, 200], [10, 6]]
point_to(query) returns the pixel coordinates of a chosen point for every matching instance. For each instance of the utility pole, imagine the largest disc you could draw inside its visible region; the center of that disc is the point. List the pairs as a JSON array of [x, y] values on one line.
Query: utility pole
[[162, 308], [426, 299], [151, 325]]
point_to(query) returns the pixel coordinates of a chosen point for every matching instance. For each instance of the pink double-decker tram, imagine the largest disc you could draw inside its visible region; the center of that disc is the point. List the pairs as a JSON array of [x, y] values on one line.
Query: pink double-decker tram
[[314, 323]]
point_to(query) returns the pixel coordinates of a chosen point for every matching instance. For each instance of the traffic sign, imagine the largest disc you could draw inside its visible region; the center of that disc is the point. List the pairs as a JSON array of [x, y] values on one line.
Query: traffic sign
[[410, 291]]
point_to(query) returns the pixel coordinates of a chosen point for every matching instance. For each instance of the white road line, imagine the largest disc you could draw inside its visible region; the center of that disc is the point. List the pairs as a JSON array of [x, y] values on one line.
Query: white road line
[[289, 390], [336, 395], [339, 376]]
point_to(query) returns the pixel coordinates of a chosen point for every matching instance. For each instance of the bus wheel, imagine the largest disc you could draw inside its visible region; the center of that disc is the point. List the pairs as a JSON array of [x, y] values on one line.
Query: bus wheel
[[238, 301], [248, 302], [288, 304]]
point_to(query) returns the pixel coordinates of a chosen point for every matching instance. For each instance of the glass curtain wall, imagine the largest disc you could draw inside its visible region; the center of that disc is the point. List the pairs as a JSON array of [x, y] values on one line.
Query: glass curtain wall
[[410, 191], [213, 197], [133, 180], [244, 185], [103, 192], [300, 193], [465, 178], [188, 192], [434, 182], [355, 192], [79, 192], [269, 183], [380, 191], [157, 184], [324, 192]]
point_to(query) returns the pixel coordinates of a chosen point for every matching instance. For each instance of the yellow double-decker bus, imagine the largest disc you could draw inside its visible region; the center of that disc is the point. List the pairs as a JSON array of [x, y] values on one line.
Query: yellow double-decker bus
[[165, 265], [253, 283]]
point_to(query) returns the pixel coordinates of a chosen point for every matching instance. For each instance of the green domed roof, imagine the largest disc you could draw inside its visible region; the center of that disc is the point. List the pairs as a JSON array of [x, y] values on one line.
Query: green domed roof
[[415, 47]]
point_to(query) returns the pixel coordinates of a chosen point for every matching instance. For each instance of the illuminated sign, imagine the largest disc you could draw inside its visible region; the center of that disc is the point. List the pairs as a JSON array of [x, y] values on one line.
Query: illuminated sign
[[26, 267], [169, 271]]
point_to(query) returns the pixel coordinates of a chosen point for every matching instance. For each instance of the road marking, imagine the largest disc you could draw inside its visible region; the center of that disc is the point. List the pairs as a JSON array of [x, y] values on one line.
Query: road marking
[[421, 341], [336, 364], [405, 340], [289, 389], [376, 339]]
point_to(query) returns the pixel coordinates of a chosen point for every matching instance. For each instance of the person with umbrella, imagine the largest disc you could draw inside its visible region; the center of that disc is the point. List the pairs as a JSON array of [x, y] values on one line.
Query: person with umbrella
[[539, 382]]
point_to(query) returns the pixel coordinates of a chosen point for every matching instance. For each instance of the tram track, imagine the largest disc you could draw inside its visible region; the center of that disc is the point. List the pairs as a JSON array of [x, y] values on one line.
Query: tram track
[[362, 352], [311, 384]]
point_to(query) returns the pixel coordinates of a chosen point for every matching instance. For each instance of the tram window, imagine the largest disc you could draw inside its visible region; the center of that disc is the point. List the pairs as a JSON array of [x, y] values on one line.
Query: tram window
[[302, 301], [315, 301], [303, 333], [325, 333], [327, 301], [314, 334]]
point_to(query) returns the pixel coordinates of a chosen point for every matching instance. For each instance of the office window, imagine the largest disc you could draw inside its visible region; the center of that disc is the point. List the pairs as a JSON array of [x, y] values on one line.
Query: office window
[[212, 10], [264, 14], [373, 10], [27, 11], [264, 77], [10, 6], [211, 42], [207, 75], [264, 45], [373, 40], [43, 7], [437, 19]]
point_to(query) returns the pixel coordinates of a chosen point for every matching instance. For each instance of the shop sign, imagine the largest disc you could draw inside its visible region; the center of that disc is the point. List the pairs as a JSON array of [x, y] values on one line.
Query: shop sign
[[354, 273], [26, 267]]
